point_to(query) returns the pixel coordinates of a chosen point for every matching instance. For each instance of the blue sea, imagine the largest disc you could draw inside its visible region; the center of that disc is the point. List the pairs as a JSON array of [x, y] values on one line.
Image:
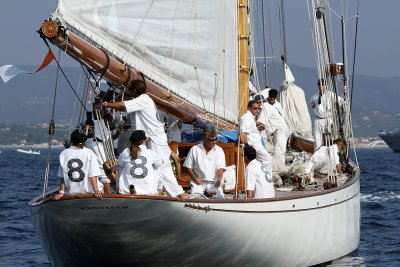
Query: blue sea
[[23, 177]]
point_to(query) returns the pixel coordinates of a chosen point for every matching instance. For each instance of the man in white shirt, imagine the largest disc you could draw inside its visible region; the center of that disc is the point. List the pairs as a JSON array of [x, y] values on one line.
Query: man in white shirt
[[273, 118], [78, 169], [258, 176], [326, 158], [95, 144], [205, 163], [144, 111], [322, 103], [138, 167], [250, 133]]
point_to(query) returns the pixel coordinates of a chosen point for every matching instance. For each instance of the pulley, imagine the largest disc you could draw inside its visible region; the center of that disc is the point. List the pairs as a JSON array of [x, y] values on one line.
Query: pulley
[[50, 29]]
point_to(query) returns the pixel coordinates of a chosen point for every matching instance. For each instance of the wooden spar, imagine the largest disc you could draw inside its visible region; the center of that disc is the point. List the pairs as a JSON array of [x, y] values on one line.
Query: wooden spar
[[119, 74], [243, 57], [243, 85]]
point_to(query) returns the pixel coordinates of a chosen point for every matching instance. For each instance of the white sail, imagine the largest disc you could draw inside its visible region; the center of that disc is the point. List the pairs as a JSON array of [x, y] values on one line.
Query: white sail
[[189, 47]]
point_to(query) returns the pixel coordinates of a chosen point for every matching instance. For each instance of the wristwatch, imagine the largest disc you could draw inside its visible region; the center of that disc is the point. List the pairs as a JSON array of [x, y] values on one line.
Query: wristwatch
[[61, 192]]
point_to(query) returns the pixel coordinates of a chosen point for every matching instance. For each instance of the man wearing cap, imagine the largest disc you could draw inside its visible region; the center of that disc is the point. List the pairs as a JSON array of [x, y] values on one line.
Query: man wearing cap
[[205, 164], [143, 112], [78, 169], [322, 103], [249, 133], [272, 117], [138, 167]]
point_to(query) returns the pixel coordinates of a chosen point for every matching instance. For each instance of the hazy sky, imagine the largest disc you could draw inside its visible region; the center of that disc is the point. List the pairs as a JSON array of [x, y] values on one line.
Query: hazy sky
[[378, 53]]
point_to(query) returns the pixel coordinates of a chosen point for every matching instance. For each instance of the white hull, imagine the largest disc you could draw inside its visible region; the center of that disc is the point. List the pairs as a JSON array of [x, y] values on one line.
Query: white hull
[[147, 231]]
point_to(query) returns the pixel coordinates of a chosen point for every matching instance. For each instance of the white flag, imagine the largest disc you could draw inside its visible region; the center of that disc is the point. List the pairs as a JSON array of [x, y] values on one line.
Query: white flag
[[7, 72]]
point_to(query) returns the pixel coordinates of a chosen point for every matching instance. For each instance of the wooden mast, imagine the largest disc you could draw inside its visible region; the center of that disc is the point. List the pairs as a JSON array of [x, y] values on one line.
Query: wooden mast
[[243, 84], [119, 74], [243, 57]]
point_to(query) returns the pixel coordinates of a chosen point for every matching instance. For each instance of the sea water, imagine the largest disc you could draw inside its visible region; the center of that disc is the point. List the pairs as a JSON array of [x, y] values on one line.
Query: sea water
[[22, 178]]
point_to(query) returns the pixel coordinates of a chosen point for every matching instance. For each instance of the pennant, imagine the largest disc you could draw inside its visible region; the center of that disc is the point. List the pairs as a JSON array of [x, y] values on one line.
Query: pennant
[[49, 58], [7, 72]]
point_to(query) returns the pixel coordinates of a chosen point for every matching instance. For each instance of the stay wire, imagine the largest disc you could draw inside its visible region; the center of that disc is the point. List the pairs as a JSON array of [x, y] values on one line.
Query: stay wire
[[80, 116], [51, 132], [65, 76], [354, 56], [264, 43]]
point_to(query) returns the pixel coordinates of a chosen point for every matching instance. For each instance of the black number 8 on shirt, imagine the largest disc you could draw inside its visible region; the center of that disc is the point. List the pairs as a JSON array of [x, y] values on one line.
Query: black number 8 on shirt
[[138, 169], [75, 168]]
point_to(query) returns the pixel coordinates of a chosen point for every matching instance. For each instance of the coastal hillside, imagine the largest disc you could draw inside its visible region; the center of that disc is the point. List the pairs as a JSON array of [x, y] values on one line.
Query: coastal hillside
[[28, 99]]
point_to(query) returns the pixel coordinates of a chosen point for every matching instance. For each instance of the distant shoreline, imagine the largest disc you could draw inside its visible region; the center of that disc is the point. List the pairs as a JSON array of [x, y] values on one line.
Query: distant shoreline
[[43, 146]]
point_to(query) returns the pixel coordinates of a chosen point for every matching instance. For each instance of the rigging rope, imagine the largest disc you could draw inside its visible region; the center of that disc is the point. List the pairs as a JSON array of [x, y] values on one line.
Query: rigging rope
[[198, 84], [132, 45], [172, 47], [282, 30], [65, 76], [325, 54], [264, 42], [354, 55], [51, 132]]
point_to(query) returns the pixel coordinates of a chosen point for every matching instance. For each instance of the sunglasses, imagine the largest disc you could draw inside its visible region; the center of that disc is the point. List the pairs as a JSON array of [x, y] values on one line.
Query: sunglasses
[[256, 108], [212, 139]]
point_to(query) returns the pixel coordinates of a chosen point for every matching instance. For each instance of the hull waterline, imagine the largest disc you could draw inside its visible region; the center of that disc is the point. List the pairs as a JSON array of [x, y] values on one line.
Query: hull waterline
[[130, 231]]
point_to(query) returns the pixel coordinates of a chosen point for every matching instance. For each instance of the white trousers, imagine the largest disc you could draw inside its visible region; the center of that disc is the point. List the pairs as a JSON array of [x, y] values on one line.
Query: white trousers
[[206, 187], [280, 141], [320, 164], [168, 178], [319, 128], [262, 155]]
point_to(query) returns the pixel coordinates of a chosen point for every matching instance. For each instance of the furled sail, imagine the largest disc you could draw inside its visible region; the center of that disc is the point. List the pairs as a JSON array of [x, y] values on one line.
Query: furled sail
[[188, 47], [294, 104]]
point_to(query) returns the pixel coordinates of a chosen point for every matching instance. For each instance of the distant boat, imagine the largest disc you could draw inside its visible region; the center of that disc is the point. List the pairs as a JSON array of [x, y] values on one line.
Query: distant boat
[[30, 151], [392, 139]]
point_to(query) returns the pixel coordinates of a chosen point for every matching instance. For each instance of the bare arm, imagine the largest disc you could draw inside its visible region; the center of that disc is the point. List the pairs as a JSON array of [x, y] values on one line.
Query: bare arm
[[260, 126], [193, 176], [220, 172], [97, 193], [120, 106], [312, 102], [62, 189], [250, 193], [339, 168], [243, 138]]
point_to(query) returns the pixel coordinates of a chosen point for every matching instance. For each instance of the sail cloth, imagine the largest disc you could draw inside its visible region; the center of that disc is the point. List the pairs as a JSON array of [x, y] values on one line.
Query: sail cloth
[[7, 72], [189, 47], [294, 104]]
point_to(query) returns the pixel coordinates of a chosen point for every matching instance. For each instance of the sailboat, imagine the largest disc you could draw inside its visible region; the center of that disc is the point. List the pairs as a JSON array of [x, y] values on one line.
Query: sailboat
[[194, 57], [28, 151], [392, 139]]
